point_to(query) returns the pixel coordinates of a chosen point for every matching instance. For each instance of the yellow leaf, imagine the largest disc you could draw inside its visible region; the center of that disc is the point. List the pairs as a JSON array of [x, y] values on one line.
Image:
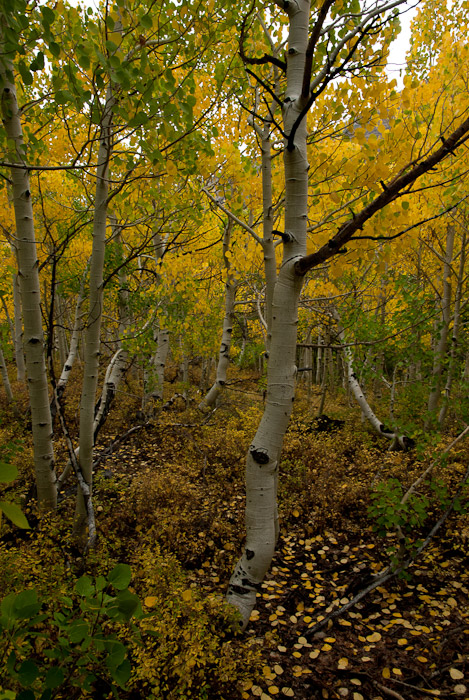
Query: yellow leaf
[[375, 637], [296, 514], [171, 168], [386, 672], [150, 601], [343, 663], [273, 690], [456, 674], [187, 595]]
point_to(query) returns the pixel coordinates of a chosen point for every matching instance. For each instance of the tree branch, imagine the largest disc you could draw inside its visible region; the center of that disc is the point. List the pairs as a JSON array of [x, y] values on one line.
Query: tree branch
[[392, 191]]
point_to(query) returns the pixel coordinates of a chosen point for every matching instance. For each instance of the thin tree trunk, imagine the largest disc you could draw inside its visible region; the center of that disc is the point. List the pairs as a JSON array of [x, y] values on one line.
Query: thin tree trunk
[[93, 321], [5, 378], [319, 359], [19, 353], [397, 441], [74, 340], [231, 285], [25, 244]]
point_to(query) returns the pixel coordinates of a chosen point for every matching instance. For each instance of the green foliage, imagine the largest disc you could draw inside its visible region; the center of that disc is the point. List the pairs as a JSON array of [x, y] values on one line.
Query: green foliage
[[73, 642], [8, 473], [388, 511]]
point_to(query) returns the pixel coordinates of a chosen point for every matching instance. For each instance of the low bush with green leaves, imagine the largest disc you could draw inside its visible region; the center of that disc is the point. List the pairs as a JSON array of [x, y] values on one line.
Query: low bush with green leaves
[[73, 645]]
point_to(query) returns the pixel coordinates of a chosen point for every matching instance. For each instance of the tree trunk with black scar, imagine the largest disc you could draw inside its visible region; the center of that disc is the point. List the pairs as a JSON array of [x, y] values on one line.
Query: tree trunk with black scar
[[28, 276], [264, 452]]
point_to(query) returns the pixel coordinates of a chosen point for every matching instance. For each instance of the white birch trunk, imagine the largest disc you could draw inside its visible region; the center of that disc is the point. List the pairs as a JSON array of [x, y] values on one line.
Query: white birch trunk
[[93, 321], [33, 338], [268, 248], [159, 362], [117, 367], [231, 286], [397, 441], [5, 377], [264, 452], [18, 325], [319, 360], [74, 340]]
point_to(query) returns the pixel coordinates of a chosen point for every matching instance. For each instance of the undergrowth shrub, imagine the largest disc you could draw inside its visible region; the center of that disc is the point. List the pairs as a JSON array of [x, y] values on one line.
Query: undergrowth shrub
[[188, 650]]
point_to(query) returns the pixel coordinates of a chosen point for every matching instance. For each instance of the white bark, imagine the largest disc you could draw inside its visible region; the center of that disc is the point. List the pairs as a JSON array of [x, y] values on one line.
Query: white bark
[[231, 286], [264, 453], [74, 340], [117, 367], [93, 321], [25, 244], [319, 360], [397, 441], [18, 324], [159, 362], [5, 377]]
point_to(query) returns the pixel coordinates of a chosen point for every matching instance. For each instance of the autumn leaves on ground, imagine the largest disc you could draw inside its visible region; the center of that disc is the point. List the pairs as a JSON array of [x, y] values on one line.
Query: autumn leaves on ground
[[169, 502]]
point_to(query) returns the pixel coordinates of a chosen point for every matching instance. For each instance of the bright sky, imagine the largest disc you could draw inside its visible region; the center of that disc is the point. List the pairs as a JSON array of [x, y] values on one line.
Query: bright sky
[[399, 47]]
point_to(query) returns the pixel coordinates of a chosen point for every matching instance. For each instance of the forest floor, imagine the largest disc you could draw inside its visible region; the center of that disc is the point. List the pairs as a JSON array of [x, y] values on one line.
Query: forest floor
[[170, 502]]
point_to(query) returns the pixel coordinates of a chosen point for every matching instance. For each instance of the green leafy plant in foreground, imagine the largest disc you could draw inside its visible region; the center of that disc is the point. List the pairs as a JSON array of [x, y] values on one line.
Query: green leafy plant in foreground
[[78, 647], [8, 473]]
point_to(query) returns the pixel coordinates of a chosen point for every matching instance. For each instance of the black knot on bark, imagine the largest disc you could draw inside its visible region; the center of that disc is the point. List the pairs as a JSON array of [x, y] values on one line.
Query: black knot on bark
[[249, 554], [259, 454]]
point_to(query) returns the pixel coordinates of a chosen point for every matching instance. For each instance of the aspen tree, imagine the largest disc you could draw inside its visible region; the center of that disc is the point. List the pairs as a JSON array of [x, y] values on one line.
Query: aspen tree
[[28, 276], [301, 91]]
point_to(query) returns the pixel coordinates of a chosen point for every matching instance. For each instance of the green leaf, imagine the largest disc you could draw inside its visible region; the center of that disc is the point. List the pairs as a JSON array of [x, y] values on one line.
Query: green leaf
[[116, 652], [26, 75], [54, 677], [15, 514], [100, 583], [146, 22], [139, 119], [26, 604], [111, 46], [26, 695], [8, 472], [84, 586], [78, 631], [62, 97], [48, 15], [121, 674], [54, 48], [28, 672], [120, 576]]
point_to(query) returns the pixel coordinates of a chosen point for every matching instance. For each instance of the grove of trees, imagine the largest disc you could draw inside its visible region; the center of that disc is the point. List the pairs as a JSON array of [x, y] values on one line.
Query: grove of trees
[[197, 197]]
